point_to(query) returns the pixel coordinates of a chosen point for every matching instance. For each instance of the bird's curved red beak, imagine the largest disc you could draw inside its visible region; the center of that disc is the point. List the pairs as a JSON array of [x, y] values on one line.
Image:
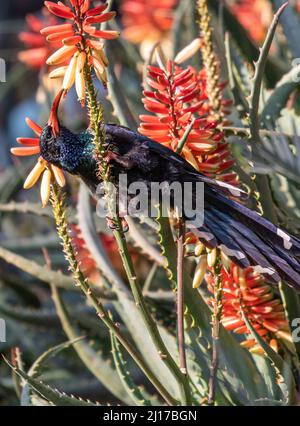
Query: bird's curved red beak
[[53, 118]]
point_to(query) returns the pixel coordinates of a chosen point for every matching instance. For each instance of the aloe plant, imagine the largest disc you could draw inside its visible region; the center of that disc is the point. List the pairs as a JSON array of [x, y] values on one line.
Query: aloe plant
[[147, 314]]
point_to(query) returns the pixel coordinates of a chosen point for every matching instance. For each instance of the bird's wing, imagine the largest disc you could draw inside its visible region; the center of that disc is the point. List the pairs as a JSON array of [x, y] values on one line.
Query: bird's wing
[[170, 155]]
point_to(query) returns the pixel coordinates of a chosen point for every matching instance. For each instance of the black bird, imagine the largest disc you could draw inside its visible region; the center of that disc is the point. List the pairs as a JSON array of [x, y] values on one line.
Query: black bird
[[246, 238]]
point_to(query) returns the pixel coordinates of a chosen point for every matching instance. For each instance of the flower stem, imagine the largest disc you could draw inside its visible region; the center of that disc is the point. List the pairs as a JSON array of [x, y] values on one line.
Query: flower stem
[[59, 211], [216, 320], [96, 112], [209, 60], [148, 320]]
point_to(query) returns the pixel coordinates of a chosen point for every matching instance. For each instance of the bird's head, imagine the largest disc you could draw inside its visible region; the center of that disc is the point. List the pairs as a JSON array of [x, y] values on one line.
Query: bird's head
[[59, 146]]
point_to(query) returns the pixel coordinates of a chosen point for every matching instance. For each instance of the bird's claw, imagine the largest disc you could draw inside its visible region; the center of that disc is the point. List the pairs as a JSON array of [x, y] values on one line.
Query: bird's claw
[[110, 156]]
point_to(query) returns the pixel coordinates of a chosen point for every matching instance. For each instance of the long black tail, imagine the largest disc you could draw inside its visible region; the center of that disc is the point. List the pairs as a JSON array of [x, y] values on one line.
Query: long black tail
[[250, 240]]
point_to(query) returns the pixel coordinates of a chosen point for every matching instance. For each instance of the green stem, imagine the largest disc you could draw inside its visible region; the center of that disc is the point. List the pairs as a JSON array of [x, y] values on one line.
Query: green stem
[[216, 320], [258, 76], [254, 117], [96, 113], [186, 395], [82, 283], [140, 302]]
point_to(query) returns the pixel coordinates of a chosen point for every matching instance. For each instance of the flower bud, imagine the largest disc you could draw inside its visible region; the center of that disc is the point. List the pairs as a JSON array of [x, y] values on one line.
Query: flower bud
[[34, 175], [212, 257], [45, 187], [199, 249], [200, 271], [69, 78], [188, 51], [61, 55], [58, 72]]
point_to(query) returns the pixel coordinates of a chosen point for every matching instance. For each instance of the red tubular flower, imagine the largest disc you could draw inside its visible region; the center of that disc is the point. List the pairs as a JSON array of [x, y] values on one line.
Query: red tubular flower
[[254, 15], [147, 22], [87, 264], [178, 97], [246, 291], [37, 50], [79, 42]]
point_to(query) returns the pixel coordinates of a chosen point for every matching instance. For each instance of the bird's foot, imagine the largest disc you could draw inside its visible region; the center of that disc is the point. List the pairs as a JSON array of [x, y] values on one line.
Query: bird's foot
[[111, 156], [112, 224]]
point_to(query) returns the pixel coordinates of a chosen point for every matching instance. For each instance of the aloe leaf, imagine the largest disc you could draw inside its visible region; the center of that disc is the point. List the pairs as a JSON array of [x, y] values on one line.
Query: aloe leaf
[[52, 395], [278, 154], [47, 318], [93, 360], [119, 102], [179, 29], [37, 367], [283, 372], [135, 393], [41, 272], [33, 268], [291, 304], [290, 24], [238, 76], [26, 207], [236, 365], [258, 76], [275, 67], [125, 306], [287, 198], [279, 96], [142, 242]]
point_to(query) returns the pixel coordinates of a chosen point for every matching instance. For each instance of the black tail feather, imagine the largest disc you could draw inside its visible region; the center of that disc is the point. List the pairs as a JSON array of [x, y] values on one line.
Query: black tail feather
[[250, 244], [229, 246], [254, 221], [268, 249]]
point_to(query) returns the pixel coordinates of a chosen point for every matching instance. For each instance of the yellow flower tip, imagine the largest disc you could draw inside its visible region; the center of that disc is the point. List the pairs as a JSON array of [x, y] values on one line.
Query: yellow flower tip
[[58, 72], [61, 55], [189, 51], [199, 249], [257, 350], [274, 345], [34, 175], [59, 176], [212, 257], [285, 335], [46, 187], [79, 78], [200, 271], [81, 61], [69, 78]]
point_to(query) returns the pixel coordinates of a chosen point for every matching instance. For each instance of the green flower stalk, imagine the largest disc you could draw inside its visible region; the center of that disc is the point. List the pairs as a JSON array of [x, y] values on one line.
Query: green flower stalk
[[59, 211], [209, 60]]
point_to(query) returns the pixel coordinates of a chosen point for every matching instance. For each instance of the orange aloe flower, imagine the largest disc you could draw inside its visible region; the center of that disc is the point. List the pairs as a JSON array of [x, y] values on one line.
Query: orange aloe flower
[[79, 42], [31, 146], [254, 15], [176, 100], [147, 22], [38, 49], [246, 293]]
